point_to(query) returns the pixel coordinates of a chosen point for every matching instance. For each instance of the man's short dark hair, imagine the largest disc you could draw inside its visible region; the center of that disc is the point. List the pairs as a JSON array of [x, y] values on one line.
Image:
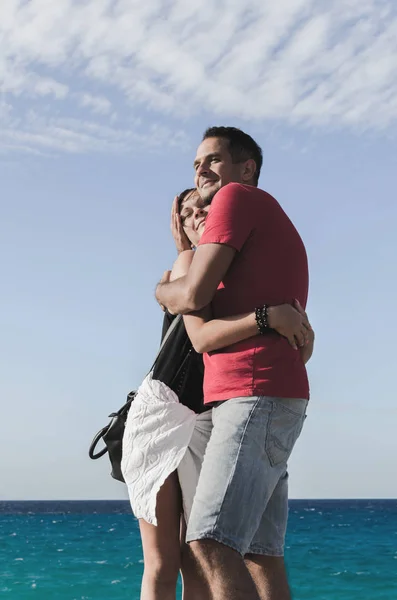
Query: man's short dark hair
[[242, 146]]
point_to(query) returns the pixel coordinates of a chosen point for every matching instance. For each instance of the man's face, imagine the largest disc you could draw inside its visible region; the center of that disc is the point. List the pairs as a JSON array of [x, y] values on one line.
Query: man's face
[[214, 167]]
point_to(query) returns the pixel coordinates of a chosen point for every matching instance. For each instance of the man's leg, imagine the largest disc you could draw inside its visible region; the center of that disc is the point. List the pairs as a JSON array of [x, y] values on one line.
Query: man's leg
[[225, 571], [231, 494], [244, 464], [264, 559], [189, 468], [194, 584], [269, 575]]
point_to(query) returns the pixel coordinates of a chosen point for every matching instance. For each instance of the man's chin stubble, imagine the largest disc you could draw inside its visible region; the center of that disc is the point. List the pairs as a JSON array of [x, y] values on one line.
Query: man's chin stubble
[[207, 196]]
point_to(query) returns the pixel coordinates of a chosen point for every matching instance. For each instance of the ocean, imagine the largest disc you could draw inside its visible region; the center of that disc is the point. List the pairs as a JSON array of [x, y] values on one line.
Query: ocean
[[336, 550]]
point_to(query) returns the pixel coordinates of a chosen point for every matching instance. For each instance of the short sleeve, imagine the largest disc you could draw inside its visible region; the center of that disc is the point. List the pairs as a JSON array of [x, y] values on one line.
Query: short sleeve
[[230, 220]]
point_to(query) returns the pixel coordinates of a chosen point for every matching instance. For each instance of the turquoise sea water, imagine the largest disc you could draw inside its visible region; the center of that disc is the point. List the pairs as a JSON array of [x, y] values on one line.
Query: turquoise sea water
[[339, 550]]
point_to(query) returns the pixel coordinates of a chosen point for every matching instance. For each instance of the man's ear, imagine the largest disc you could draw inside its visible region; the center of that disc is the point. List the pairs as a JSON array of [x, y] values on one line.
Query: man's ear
[[249, 169]]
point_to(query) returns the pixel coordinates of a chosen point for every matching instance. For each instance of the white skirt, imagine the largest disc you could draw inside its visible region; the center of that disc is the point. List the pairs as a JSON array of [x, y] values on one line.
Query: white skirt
[[157, 435]]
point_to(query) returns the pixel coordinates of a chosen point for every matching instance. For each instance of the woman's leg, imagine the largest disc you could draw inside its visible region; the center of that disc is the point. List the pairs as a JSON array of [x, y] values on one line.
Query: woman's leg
[[194, 585], [161, 545]]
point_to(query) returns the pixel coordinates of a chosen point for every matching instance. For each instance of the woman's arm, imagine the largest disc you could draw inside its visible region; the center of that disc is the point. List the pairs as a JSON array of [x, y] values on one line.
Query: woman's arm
[[182, 264], [207, 335]]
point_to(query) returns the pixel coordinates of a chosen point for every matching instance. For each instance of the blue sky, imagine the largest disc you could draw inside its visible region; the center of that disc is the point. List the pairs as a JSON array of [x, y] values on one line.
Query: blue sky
[[100, 115]]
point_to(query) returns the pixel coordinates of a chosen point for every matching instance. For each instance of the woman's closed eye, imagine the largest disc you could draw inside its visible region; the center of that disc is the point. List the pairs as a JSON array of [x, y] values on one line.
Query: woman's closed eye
[[184, 217]]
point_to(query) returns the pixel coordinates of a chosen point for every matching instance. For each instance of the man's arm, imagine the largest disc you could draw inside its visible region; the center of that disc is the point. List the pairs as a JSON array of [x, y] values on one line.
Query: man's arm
[[197, 289], [227, 227]]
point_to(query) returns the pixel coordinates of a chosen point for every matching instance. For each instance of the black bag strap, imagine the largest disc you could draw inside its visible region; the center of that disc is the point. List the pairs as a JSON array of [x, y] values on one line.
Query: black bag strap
[[122, 412], [170, 329]]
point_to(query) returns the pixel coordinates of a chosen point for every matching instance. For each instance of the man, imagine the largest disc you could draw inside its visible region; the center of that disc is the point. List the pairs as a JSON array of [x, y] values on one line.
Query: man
[[249, 255]]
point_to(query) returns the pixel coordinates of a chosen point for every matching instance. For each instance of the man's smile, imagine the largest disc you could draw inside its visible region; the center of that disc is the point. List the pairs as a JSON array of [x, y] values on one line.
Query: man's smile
[[207, 182]]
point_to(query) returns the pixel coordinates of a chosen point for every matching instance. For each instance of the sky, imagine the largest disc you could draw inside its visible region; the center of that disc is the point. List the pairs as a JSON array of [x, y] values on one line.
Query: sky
[[102, 105]]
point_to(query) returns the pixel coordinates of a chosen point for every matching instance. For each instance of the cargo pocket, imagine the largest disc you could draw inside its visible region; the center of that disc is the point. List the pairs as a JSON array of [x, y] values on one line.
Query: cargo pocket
[[283, 429]]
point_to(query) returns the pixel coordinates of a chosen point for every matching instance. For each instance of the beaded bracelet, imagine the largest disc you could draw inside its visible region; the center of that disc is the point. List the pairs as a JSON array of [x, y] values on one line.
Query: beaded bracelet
[[261, 319]]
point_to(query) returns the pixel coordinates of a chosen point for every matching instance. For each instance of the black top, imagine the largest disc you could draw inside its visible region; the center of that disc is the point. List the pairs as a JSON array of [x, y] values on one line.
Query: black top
[[180, 367]]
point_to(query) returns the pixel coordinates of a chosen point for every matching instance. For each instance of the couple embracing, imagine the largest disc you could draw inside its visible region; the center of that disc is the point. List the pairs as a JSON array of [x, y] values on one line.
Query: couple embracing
[[207, 474]]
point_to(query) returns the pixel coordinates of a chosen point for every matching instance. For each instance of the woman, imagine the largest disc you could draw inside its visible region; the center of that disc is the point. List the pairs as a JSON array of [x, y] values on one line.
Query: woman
[[157, 412]]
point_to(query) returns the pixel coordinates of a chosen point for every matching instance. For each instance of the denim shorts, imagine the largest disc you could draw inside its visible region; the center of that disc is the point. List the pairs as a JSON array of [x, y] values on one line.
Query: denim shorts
[[241, 499]]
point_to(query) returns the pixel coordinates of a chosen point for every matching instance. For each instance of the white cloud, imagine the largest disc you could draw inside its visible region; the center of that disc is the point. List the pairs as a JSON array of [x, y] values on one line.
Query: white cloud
[[294, 61], [45, 86], [49, 135], [99, 104]]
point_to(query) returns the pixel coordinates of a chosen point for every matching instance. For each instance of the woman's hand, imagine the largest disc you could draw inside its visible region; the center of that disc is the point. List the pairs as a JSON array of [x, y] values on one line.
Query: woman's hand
[[181, 240], [306, 350], [290, 322]]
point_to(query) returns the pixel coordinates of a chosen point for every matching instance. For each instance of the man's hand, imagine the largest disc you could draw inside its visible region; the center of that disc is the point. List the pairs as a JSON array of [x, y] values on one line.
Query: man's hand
[[197, 288], [165, 279], [178, 233], [290, 322]]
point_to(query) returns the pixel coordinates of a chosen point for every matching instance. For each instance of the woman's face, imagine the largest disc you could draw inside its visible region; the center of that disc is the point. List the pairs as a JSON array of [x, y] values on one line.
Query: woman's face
[[193, 212]]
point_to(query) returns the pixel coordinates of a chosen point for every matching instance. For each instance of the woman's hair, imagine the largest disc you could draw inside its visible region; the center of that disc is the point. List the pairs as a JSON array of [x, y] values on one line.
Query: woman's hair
[[183, 195]]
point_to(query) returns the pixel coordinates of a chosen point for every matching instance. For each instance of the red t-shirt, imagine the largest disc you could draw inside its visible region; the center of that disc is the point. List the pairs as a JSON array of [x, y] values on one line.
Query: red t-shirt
[[270, 267]]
